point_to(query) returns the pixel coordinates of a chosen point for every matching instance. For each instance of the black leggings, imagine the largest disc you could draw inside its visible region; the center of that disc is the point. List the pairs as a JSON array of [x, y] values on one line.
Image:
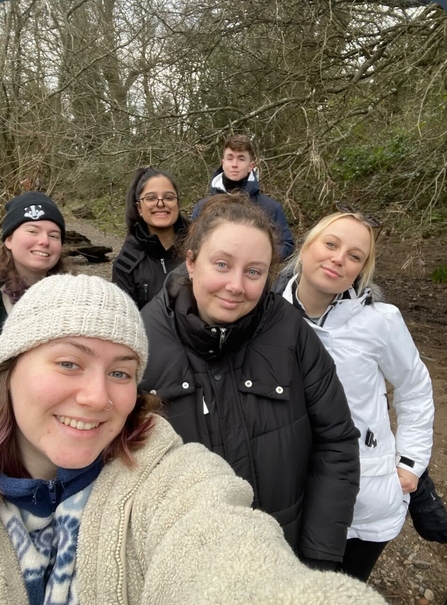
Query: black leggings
[[360, 557]]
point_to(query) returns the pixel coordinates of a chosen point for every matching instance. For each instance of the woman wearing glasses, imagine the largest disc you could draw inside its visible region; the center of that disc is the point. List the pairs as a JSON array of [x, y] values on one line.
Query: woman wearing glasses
[[154, 227], [370, 344]]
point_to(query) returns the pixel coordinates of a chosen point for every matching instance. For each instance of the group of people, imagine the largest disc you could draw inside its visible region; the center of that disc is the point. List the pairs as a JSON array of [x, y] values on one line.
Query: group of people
[[283, 378]]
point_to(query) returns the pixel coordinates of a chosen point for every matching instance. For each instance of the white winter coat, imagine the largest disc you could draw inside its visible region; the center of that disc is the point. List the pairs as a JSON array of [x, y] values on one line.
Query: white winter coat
[[371, 344]]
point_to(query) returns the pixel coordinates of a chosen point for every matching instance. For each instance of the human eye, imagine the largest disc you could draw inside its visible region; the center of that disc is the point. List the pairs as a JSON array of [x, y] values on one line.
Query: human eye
[[32, 230], [120, 374], [252, 272], [330, 245], [221, 264], [126, 374], [68, 365], [149, 198], [170, 197], [55, 236], [355, 257]]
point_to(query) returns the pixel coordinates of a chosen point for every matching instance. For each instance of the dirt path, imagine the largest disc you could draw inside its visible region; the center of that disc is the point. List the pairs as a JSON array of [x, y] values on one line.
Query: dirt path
[[409, 567]]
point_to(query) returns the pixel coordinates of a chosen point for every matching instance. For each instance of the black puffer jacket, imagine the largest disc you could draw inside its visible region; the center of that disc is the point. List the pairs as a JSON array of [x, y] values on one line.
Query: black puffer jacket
[[143, 263], [262, 393]]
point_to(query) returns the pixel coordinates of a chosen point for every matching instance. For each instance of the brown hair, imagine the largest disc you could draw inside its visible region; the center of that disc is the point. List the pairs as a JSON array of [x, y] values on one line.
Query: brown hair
[[9, 275], [131, 438], [232, 208], [240, 142]]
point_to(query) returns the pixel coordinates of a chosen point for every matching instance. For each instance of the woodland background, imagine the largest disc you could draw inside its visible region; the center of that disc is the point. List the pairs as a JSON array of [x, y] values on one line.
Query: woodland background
[[345, 100]]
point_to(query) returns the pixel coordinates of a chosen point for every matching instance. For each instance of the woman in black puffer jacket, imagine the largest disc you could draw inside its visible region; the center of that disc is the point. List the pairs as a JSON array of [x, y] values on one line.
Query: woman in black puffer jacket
[[243, 373]]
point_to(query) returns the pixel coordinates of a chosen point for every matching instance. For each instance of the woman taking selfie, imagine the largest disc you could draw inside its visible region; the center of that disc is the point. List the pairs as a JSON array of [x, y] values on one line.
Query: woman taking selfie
[[33, 231], [154, 229], [101, 504], [370, 345], [242, 373]]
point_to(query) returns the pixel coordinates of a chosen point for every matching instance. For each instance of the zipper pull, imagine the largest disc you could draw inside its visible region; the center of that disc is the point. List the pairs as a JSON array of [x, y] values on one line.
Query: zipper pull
[[163, 264], [223, 334], [52, 490], [205, 407]]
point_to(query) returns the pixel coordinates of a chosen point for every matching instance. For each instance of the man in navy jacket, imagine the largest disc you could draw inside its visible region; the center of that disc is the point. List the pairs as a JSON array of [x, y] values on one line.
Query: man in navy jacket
[[237, 172]]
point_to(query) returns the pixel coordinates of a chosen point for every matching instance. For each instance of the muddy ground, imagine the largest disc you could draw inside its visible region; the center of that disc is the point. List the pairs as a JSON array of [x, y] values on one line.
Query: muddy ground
[[411, 570]]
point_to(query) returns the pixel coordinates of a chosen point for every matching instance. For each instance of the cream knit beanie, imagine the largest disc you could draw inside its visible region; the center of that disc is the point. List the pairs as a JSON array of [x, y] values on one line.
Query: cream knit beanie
[[69, 305]]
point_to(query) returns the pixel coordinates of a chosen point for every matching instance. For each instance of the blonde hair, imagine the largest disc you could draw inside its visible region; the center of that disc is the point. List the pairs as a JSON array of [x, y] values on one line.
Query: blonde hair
[[367, 272]]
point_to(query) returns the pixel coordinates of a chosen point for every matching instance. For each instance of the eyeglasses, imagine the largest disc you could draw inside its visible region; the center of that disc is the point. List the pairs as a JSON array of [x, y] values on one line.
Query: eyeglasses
[[371, 220], [152, 200]]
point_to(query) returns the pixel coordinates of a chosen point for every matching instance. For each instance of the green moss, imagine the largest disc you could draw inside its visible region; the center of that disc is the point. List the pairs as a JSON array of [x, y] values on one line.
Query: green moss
[[439, 275]]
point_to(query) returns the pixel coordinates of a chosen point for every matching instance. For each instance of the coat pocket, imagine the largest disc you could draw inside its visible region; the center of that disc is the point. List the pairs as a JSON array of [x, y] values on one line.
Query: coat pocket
[[380, 498], [377, 449]]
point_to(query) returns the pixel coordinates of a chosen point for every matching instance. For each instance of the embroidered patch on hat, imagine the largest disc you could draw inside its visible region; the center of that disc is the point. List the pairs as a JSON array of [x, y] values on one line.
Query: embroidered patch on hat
[[34, 212]]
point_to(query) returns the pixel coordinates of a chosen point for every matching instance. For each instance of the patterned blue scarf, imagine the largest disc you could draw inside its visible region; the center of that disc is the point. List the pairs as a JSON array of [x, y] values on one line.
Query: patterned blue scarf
[[42, 519]]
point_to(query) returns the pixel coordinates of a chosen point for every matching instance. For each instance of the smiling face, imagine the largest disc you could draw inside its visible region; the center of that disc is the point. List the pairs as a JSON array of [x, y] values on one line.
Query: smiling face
[[158, 217], [59, 393], [332, 262], [237, 165], [229, 272], [36, 248]]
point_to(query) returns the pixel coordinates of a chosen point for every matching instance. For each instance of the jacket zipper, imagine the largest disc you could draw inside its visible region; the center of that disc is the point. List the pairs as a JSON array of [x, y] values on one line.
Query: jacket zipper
[[223, 335], [163, 264], [52, 490]]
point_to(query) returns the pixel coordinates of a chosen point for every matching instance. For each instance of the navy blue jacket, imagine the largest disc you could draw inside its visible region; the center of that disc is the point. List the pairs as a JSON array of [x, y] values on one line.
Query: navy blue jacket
[[268, 204]]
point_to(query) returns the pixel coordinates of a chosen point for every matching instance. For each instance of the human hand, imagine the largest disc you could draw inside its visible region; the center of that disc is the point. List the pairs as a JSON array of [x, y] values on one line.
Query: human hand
[[408, 480]]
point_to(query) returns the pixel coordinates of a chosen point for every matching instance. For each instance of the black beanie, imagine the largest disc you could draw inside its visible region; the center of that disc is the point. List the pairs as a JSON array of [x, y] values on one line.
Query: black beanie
[[31, 206]]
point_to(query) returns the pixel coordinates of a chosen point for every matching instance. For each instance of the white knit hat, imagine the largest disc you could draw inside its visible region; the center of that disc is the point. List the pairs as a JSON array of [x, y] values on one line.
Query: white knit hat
[[69, 305]]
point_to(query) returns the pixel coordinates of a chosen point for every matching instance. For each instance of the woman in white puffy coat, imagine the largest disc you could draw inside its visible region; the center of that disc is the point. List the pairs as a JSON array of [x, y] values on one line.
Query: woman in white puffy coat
[[371, 346]]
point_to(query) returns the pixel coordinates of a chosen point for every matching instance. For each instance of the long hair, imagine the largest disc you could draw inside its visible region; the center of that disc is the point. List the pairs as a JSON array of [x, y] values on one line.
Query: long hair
[[141, 176], [9, 275], [366, 274], [131, 438]]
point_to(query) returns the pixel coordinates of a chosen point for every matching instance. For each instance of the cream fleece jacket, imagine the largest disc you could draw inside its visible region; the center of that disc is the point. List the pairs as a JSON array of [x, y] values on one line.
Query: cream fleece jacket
[[177, 530]]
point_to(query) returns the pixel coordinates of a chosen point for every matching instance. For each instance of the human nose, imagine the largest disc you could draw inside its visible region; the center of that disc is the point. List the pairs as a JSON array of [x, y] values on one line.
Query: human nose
[[235, 284], [160, 199], [44, 239], [93, 393], [338, 256]]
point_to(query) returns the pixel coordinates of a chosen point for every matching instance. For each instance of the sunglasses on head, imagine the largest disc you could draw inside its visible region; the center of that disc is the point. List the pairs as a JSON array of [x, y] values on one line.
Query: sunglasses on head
[[369, 219]]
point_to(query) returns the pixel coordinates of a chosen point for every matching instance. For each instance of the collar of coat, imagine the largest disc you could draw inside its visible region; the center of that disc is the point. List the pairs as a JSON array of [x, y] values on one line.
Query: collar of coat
[[151, 240], [40, 497], [250, 185], [212, 341], [342, 308], [266, 351]]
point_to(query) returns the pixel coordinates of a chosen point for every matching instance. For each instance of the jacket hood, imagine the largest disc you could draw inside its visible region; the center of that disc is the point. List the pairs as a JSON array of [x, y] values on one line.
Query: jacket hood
[[250, 184]]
